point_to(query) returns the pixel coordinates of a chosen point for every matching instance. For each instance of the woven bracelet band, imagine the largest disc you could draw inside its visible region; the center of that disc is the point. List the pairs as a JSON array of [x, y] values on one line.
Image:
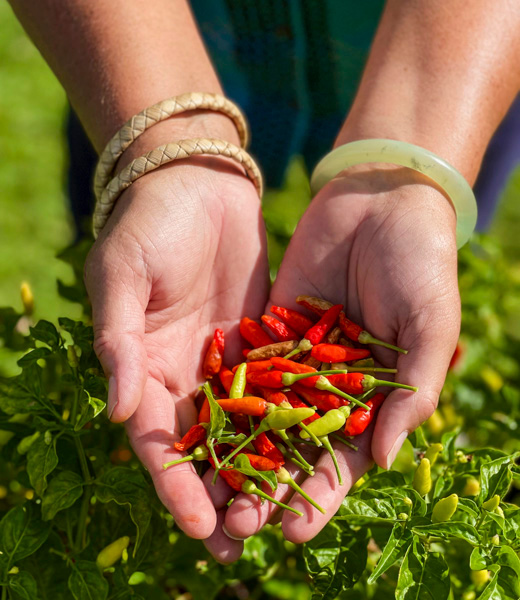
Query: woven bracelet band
[[407, 155], [163, 155], [139, 123]]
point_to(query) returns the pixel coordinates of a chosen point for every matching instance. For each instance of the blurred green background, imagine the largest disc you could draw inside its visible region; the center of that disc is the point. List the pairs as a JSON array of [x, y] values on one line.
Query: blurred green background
[[35, 223]]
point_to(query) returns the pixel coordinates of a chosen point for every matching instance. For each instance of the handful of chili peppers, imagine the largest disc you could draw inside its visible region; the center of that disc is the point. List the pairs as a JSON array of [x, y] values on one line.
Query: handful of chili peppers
[[314, 382]]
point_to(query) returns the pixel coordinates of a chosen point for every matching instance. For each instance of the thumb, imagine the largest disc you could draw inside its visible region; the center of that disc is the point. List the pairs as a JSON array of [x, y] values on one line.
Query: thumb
[[425, 367], [119, 296]]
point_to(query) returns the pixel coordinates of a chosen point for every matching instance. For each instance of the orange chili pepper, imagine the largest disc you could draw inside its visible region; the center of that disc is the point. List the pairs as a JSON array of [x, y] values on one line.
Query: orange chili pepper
[[257, 365], [359, 383], [316, 333], [226, 378], [334, 353], [213, 359], [296, 402], [323, 401], [260, 463], [264, 446], [279, 329], [250, 405], [205, 412], [195, 434], [253, 333], [293, 319], [268, 379]]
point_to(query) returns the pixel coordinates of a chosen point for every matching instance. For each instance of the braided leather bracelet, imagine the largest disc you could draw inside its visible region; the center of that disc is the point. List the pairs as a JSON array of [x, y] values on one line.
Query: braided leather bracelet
[[139, 123], [165, 154]]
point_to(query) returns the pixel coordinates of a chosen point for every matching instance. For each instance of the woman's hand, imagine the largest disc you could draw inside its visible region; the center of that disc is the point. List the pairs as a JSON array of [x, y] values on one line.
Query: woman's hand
[[381, 242], [183, 253]]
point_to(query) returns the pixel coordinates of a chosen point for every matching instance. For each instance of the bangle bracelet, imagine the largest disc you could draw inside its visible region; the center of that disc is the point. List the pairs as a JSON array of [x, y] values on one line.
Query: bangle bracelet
[[407, 155], [165, 154], [148, 117]]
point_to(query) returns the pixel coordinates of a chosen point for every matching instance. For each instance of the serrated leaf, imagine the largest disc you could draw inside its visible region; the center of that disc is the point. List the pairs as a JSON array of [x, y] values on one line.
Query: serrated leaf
[[63, 491], [86, 581], [46, 332], [89, 408], [22, 532], [23, 586], [125, 486], [395, 548], [41, 461]]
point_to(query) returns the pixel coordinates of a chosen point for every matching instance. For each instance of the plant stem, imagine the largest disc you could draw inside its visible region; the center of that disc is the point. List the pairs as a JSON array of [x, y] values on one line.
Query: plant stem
[[82, 520]]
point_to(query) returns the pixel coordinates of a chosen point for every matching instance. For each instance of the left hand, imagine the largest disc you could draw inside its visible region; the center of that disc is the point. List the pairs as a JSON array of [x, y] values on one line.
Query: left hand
[[381, 241]]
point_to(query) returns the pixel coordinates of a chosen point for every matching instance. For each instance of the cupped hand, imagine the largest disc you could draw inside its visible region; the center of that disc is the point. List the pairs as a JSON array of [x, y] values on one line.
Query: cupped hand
[[183, 253], [381, 241]]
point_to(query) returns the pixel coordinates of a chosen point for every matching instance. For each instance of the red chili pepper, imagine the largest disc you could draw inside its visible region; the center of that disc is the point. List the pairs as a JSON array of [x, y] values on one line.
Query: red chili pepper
[[455, 359], [195, 434], [268, 379], [241, 423], [316, 305], [265, 447], [250, 405], [289, 366], [233, 478], [296, 402], [246, 351], [272, 396], [316, 333], [293, 319], [205, 412], [334, 353], [257, 365], [279, 329], [226, 378], [260, 463], [253, 333], [359, 383], [323, 401], [360, 419], [213, 359], [358, 334]]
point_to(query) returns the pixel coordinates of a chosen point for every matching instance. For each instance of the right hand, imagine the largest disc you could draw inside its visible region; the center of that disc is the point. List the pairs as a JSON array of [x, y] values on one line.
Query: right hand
[[183, 253]]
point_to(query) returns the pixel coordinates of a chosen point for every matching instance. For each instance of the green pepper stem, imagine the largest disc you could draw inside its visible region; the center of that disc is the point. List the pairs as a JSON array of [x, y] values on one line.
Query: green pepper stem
[[330, 450], [366, 338], [261, 428], [291, 483], [343, 441], [290, 378], [261, 494], [299, 464], [395, 384], [355, 369], [177, 462], [295, 451], [324, 384], [312, 435], [303, 346]]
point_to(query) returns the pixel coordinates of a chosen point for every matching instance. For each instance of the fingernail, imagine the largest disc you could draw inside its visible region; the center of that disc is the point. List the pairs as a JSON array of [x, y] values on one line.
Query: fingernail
[[112, 396], [233, 537], [395, 449]]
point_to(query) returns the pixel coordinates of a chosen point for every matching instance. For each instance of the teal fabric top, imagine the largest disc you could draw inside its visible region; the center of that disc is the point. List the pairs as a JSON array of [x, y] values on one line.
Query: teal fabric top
[[293, 66]]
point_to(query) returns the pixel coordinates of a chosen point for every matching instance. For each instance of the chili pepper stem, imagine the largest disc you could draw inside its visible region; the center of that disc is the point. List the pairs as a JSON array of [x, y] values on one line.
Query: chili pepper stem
[[366, 338], [344, 441], [251, 423], [261, 494], [177, 462], [299, 464], [303, 346], [313, 436], [355, 369], [370, 381], [325, 385], [261, 428], [292, 484], [285, 438], [330, 450], [215, 460]]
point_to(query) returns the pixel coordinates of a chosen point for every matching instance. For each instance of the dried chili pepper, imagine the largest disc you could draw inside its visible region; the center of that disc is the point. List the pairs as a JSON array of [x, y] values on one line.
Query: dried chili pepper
[[279, 329], [360, 419], [276, 349], [316, 333], [213, 359], [358, 334], [195, 434], [333, 336], [250, 405], [253, 333], [334, 353], [264, 446], [358, 383], [445, 509], [293, 319], [316, 305]]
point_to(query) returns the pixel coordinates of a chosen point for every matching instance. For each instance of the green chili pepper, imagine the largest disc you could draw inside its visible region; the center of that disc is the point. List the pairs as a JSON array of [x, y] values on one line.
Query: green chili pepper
[[445, 509], [433, 452], [27, 442], [283, 477], [422, 480], [492, 503], [471, 487], [200, 453], [331, 421], [248, 487], [238, 386], [112, 553]]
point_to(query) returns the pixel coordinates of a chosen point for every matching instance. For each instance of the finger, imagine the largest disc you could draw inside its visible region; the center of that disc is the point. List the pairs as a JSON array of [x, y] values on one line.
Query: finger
[[430, 350], [324, 488], [220, 493], [119, 297], [152, 429], [220, 546]]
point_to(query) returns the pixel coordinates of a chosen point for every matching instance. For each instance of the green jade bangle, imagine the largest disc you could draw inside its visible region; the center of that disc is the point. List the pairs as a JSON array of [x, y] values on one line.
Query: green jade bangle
[[406, 155]]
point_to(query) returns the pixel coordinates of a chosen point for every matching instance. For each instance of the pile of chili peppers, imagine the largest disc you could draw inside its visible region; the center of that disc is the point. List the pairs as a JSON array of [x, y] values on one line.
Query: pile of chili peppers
[[311, 384]]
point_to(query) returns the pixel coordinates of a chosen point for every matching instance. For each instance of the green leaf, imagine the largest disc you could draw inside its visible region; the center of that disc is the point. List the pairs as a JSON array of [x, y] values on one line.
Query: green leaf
[[45, 332], [242, 464], [496, 477], [448, 441], [423, 575], [63, 491], [491, 591], [21, 394], [22, 532], [23, 586], [86, 582], [89, 408], [41, 461], [33, 356], [126, 486], [478, 559], [456, 529], [218, 417], [395, 548]]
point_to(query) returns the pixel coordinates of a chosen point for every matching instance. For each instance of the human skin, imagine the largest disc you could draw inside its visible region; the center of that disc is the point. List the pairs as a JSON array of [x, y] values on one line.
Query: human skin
[[184, 251]]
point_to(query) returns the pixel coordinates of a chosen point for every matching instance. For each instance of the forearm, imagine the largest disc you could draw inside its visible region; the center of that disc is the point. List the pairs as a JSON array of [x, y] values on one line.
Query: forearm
[[115, 58], [441, 75]]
